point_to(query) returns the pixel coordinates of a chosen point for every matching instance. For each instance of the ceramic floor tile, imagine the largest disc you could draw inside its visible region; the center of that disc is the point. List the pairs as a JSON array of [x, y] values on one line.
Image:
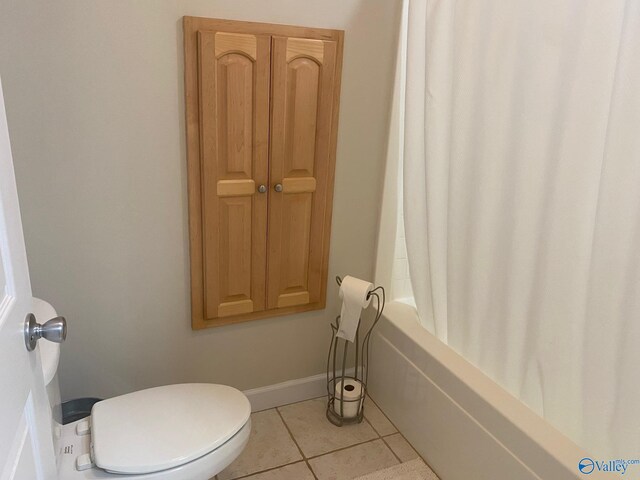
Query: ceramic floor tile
[[401, 447], [270, 445], [354, 461], [377, 419], [412, 470], [296, 471], [315, 435]]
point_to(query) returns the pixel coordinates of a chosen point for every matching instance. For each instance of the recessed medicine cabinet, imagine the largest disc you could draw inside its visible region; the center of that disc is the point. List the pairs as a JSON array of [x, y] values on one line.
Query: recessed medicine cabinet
[[261, 115]]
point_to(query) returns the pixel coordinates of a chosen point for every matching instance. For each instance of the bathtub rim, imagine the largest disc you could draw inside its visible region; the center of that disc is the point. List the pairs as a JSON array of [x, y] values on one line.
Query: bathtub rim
[[531, 439]]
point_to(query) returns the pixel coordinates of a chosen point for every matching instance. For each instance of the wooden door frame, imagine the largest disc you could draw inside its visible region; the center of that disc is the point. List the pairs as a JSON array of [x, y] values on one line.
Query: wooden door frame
[[191, 25]]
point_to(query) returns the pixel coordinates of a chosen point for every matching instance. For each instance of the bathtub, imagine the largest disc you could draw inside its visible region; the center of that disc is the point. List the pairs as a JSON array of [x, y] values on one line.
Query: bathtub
[[459, 420]]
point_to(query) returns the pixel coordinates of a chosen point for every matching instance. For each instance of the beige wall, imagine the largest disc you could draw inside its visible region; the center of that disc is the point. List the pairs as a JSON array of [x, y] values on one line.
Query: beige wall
[[95, 107]]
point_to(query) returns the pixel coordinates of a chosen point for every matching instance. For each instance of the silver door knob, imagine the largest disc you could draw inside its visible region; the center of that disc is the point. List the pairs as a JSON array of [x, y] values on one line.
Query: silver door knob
[[278, 187], [55, 330], [262, 188]]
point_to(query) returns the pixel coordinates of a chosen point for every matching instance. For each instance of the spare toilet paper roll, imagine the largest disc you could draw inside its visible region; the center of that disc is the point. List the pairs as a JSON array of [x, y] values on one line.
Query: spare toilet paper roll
[[351, 398], [355, 296]]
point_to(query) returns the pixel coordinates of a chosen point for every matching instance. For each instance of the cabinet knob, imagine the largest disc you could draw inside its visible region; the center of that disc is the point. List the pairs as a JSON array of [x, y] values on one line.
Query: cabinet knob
[[278, 187], [262, 188]]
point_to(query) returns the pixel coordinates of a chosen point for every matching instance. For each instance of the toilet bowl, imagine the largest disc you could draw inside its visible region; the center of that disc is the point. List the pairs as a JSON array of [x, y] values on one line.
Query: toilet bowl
[[175, 432], [186, 431]]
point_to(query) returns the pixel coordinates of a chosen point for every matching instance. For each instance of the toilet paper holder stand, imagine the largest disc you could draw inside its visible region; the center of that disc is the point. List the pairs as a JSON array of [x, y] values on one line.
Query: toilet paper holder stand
[[340, 378]]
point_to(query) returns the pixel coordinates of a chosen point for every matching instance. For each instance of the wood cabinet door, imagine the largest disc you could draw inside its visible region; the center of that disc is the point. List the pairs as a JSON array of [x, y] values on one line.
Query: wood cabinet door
[[304, 107], [233, 81]]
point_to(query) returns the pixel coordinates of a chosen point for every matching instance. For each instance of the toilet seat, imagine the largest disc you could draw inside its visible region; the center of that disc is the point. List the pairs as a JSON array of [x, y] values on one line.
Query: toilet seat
[[164, 427], [203, 468]]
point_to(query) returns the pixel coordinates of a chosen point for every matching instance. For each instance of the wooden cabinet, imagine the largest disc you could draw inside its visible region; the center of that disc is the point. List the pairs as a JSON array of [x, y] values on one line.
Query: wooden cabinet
[[262, 109]]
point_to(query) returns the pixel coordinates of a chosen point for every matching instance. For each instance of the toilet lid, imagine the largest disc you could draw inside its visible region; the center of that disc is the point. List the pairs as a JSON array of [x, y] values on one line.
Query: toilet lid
[[164, 427]]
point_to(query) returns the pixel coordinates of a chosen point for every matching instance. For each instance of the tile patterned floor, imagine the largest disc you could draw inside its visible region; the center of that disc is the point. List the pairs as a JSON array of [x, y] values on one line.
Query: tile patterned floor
[[297, 442]]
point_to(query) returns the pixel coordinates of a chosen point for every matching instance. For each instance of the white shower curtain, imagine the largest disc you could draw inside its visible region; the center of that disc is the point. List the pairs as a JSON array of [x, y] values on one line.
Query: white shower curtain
[[522, 201]]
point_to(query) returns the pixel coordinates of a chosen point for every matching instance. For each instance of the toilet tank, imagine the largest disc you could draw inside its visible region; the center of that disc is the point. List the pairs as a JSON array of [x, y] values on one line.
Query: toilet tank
[[50, 357]]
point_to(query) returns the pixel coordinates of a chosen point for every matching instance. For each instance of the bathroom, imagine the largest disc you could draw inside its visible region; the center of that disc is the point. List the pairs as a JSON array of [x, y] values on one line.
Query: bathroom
[[517, 238]]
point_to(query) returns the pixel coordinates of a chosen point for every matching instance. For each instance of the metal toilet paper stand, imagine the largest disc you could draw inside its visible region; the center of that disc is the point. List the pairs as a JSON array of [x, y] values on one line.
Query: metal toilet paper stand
[[340, 410]]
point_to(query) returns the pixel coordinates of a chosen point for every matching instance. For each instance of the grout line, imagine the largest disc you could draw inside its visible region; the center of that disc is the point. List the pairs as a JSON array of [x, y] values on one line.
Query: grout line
[[292, 403], [277, 466], [401, 434], [384, 415], [413, 448], [392, 450], [344, 448], [330, 451], [266, 470], [371, 424], [304, 457]]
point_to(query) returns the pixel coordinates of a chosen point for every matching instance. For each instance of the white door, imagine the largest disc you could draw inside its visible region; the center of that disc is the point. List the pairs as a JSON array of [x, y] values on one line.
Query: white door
[[26, 446]]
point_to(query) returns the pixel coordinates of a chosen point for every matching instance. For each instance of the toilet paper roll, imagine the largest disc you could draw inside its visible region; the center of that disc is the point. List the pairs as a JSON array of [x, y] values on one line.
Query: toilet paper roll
[[355, 296], [351, 397]]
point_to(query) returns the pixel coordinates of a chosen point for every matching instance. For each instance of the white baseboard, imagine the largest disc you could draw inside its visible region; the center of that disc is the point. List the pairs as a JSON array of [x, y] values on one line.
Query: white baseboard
[[291, 391]]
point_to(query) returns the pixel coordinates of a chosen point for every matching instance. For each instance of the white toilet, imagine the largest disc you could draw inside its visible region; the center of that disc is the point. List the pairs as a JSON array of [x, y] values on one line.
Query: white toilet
[[175, 432]]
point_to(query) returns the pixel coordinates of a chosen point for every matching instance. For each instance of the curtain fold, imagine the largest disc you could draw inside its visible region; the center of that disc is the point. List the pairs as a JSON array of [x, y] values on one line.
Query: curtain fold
[[521, 199]]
